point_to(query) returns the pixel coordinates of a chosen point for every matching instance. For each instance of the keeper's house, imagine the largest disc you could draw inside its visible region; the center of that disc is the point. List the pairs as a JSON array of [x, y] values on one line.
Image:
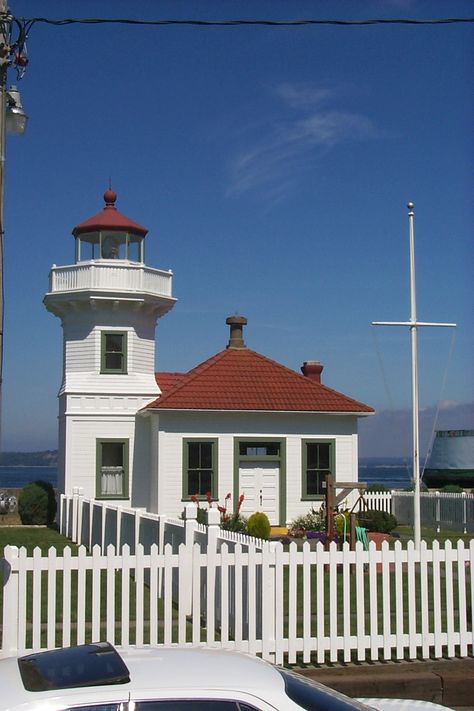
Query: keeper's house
[[238, 423]]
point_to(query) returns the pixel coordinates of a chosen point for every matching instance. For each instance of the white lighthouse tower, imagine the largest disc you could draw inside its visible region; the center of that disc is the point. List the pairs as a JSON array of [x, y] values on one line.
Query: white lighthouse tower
[[108, 302]]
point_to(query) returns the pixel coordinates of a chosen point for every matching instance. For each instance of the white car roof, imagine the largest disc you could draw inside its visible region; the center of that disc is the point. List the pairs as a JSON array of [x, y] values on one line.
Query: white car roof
[[190, 668], [153, 670], [172, 673]]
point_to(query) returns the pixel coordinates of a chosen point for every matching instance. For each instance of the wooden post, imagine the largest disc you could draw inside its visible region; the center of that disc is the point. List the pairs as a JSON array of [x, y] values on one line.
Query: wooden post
[[330, 506], [352, 531]]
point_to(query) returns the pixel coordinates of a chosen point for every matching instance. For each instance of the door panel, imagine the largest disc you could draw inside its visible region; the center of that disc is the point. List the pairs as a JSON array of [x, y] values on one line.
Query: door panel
[[259, 485]]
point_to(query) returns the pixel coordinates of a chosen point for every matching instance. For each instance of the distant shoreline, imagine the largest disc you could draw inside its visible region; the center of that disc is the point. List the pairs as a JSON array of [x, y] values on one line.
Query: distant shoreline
[[28, 466]]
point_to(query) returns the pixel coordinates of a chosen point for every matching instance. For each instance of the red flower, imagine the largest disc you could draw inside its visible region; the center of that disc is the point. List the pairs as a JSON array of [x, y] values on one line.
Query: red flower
[[194, 499], [221, 509], [229, 496]]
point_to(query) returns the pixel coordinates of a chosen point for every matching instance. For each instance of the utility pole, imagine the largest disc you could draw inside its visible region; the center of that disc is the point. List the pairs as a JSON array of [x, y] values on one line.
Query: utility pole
[[413, 324], [4, 61], [14, 119]]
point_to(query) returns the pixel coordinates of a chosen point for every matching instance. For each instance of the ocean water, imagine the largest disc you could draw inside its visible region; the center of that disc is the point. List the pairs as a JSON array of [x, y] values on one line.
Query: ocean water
[[393, 477], [17, 477]]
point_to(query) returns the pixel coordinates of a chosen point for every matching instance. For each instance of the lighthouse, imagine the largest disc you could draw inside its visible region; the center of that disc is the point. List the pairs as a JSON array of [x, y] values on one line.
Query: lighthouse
[[109, 302]]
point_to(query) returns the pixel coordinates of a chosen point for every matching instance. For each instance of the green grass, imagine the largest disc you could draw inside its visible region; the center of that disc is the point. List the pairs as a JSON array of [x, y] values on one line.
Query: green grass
[[429, 535], [42, 537]]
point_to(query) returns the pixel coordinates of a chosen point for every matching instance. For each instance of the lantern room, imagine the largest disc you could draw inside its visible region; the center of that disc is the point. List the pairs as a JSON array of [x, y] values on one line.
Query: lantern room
[[109, 235]]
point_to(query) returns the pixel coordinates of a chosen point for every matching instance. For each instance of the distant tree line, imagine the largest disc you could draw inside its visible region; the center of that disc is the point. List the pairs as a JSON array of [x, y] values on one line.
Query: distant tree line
[[48, 458]]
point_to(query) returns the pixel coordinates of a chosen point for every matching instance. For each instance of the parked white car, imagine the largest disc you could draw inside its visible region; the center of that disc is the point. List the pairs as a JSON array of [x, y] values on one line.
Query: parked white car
[[95, 677]]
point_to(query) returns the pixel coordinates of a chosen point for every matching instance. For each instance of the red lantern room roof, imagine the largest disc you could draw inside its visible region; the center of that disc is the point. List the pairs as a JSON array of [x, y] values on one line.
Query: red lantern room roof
[[109, 218]]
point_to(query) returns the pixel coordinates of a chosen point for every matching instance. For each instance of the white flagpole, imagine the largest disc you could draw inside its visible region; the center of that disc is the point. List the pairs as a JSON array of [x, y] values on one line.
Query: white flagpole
[[413, 325], [414, 385]]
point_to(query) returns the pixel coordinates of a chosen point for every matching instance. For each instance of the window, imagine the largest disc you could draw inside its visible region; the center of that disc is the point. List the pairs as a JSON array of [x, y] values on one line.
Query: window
[[308, 695], [100, 707], [193, 705], [85, 665], [200, 468], [259, 449], [318, 460], [112, 469], [113, 352]]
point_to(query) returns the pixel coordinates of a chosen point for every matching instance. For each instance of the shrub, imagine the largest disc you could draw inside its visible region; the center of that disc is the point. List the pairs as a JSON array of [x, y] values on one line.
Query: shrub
[[342, 523], [37, 504], [452, 489], [258, 525], [312, 521], [236, 523], [377, 486], [379, 521]]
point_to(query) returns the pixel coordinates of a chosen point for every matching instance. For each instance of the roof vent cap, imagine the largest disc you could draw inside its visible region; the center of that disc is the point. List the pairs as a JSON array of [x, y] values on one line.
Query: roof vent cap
[[236, 324]]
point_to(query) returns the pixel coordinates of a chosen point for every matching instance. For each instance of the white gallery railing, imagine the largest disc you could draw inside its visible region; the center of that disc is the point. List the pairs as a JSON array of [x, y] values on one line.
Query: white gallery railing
[[110, 275]]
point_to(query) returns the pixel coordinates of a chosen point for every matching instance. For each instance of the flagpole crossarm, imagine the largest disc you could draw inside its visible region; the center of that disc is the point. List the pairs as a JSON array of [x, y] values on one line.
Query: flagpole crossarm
[[412, 323]]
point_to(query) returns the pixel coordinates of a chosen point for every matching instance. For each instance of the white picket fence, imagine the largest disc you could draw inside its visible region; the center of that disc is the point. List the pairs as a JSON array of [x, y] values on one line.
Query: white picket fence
[[148, 579], [439, 509], [321, 605]]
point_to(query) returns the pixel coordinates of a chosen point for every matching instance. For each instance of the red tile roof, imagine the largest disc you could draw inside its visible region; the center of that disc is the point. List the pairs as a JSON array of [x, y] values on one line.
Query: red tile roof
[[166, 381], [241, 379]]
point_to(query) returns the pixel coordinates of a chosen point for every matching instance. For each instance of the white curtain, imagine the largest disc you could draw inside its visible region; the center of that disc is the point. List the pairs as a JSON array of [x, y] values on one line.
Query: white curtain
[[112, 481]]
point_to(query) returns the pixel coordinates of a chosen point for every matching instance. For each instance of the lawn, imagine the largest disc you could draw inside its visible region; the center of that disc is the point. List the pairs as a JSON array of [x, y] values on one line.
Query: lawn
[[31, 537], [429, 535]]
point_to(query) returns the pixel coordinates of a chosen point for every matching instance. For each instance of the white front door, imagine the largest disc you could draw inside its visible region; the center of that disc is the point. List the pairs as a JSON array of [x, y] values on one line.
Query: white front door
[[258, 482]]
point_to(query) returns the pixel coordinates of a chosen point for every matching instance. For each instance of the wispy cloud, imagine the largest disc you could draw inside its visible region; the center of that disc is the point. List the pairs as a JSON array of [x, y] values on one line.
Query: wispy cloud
[[307, 125]]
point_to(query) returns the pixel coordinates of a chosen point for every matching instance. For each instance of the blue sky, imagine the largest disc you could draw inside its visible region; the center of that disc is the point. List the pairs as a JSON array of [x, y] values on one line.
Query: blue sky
[[272, 167]]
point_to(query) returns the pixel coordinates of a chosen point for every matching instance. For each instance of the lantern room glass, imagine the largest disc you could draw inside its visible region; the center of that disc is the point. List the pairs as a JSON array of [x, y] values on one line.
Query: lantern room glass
[[110, 245]]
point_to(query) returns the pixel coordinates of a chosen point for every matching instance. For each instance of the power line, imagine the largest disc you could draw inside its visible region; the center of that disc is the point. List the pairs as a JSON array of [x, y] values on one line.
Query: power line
[[232, 23]]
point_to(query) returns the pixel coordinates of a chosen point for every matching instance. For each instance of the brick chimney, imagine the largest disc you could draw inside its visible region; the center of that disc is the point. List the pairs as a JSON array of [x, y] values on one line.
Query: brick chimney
[[236, 324], [312, 369]]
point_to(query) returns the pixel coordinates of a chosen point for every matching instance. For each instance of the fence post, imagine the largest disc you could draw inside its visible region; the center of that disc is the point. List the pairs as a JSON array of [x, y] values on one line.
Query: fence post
[[213, 598], [76, 492], [62, 514], [118, 539], [464, 509], [9, 564], [268, 600], [190, 525], [138, 518], [438, 512], [80, 506]]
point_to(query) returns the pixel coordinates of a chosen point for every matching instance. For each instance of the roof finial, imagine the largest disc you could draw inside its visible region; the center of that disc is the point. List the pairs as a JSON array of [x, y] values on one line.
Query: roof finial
[[110, 197]]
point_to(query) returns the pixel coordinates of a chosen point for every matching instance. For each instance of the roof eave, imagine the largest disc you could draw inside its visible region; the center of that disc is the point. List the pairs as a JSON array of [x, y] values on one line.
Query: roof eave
[[353, 413]]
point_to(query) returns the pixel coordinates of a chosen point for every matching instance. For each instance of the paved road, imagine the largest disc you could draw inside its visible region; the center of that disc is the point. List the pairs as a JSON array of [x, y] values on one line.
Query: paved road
[[449, 682]]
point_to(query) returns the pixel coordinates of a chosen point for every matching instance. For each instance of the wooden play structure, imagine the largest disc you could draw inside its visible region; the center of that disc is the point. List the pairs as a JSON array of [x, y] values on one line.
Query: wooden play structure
[[336, 491]]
